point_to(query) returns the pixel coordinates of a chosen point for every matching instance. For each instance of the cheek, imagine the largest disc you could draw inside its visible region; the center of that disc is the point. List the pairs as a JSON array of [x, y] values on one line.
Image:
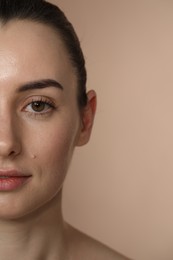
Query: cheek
[[56, 151], [52, 146]]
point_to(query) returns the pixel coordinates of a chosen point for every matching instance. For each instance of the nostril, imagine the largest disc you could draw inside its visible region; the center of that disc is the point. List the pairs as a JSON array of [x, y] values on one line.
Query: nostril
[[10, 138], [12, 153], [9, 149], [15, 150]]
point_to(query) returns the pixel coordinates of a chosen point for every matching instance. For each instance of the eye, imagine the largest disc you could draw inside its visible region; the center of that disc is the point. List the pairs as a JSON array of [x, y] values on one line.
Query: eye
[[39, 106]]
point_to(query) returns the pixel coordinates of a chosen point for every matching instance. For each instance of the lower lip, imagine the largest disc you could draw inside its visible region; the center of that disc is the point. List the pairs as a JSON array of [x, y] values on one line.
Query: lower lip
[[12, 183]]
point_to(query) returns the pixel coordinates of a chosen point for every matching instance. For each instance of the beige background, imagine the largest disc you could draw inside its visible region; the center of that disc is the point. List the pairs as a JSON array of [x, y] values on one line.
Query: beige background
[[120, 187]]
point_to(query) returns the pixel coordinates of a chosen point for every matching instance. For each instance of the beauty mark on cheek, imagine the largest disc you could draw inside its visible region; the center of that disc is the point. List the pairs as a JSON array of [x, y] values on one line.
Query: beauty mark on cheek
[[33, 156]]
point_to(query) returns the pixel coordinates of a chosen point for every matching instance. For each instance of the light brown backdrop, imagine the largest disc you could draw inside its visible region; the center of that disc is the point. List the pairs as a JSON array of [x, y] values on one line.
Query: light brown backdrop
[[120, 187]]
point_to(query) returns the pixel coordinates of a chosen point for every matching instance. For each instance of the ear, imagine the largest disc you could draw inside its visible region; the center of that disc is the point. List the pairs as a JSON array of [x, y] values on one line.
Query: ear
[[87, 118]]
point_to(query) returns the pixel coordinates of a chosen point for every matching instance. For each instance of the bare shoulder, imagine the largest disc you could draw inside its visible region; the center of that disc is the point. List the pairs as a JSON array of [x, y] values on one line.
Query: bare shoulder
[[84, 247]]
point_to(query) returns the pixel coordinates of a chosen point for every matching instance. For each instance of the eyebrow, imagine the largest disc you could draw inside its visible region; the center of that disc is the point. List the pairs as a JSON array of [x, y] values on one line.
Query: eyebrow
[[40, 84]]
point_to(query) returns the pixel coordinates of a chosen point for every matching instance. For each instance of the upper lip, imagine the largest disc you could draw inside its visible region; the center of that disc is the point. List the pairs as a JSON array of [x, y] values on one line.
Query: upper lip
[[13, 173]]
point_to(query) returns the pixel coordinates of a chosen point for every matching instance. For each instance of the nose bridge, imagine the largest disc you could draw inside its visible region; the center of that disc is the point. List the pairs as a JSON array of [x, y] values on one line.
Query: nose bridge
[[9, 142]]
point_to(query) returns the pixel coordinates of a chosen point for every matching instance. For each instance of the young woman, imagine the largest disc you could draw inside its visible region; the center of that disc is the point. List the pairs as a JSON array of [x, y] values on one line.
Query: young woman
[[45, 113]]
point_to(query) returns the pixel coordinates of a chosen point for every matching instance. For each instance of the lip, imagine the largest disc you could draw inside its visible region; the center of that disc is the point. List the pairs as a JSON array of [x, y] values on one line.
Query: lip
[[12, 179]]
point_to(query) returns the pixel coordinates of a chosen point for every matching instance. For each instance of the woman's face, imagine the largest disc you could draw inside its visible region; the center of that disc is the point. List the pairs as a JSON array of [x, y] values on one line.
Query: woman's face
[[39, 116]]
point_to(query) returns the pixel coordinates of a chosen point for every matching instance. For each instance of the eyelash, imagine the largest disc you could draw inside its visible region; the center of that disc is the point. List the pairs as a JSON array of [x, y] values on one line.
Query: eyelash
[[41, 101]]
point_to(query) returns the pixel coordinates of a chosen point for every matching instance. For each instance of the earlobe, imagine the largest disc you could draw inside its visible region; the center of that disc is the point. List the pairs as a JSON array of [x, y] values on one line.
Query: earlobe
[[87, 119]]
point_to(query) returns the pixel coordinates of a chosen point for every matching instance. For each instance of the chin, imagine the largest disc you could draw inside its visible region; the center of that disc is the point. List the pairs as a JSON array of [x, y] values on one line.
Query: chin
[[25, 210]]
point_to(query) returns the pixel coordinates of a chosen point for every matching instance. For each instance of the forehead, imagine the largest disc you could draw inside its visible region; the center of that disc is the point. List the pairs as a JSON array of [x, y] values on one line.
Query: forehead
[[30, 51]]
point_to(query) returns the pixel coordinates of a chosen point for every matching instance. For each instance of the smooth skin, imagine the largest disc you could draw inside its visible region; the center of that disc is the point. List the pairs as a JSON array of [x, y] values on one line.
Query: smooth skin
[[40, 128]]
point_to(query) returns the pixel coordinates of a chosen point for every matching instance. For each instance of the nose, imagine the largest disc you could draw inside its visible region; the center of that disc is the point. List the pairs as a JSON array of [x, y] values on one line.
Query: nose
[[9, 138]]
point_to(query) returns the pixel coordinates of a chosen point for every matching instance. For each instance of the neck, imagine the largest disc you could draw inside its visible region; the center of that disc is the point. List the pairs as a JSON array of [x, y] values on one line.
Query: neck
[[40, 235]]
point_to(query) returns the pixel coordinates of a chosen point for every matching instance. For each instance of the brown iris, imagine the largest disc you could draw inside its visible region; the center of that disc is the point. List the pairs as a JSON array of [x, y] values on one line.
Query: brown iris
[[38, 106]]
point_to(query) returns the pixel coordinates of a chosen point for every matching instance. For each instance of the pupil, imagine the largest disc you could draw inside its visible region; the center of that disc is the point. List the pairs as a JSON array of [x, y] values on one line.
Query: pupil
[[38, 106]]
